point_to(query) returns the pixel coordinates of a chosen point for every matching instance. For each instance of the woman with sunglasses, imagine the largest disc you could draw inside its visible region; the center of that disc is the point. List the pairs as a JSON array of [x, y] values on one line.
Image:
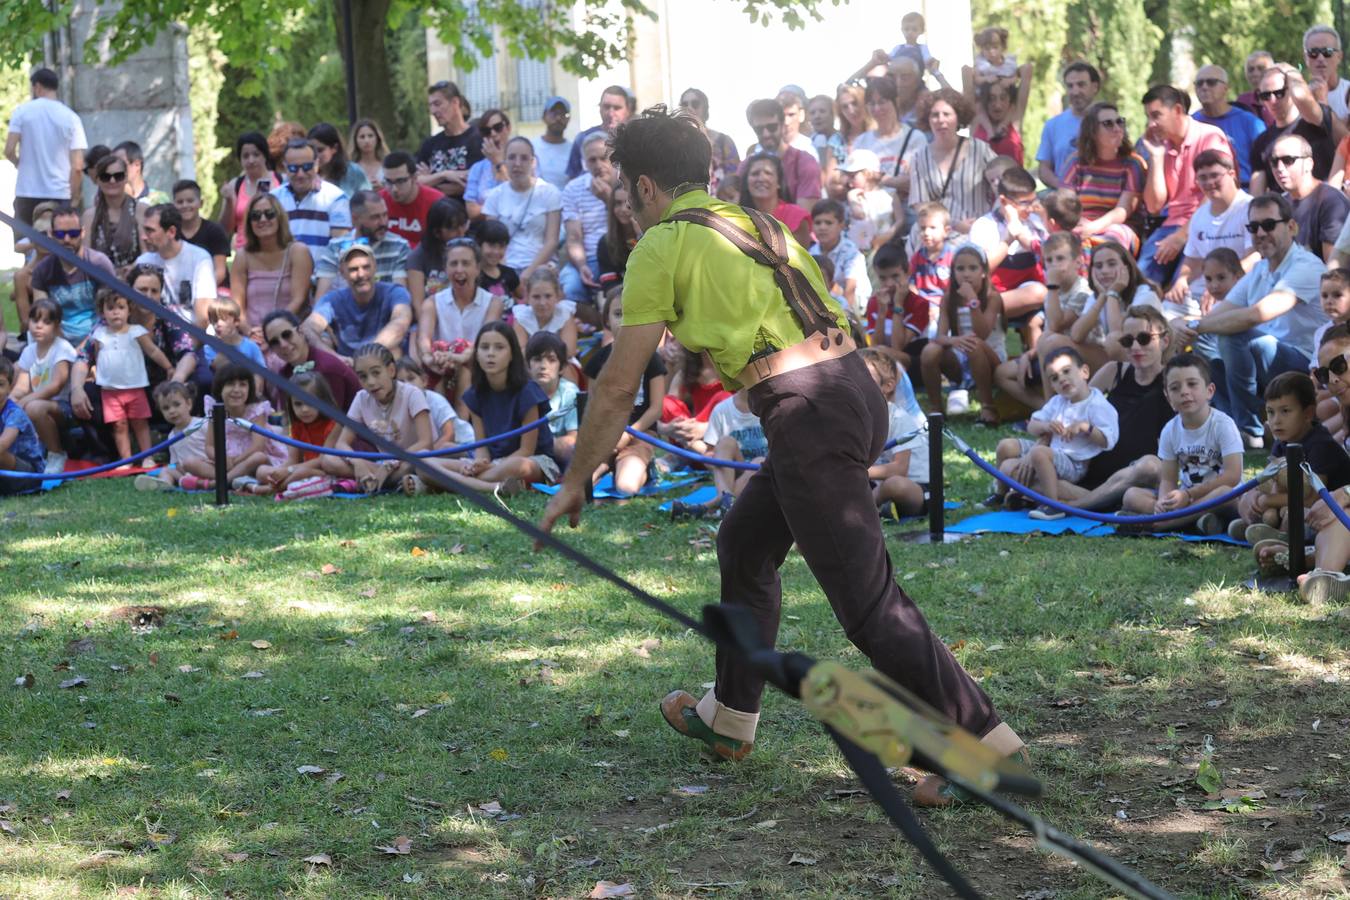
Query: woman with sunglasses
[[273, 267], [490, 171], [112, 225], [1284, 94], [257, 176], [287, 341], [1108, 177]]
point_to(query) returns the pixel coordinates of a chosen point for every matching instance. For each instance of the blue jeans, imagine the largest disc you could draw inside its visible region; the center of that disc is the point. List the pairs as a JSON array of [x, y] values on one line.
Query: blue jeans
[[573, 288], [1207, 346], [1250, 360], [1158, 273]]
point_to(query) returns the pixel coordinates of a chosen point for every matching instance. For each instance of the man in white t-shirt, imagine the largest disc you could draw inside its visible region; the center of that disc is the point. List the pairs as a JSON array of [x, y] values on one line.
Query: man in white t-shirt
[[1219, 221], [47, 143], [552, 149], [189, 271], [1322, 53]]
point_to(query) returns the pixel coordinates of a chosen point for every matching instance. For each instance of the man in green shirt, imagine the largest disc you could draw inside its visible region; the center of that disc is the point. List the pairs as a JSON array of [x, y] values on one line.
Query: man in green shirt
[[742, 289]]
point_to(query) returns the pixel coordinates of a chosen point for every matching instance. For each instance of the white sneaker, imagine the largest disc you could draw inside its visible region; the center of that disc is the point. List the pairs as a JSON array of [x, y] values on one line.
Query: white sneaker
[[958, 402], [56, 464]]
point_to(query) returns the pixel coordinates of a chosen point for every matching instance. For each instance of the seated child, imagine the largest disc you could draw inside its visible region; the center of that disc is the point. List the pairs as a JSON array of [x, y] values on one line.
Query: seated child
[[393, 409], [120, 352], [545, 309], [850, 267], [1335, 292], [895, 317], [930, 268], [188, 456], [632, 458], [20, 448], [545, 354], [970, 341], [494, 276], [226, 318], [1328, 581], [900, 475], [734, 433], [245, 450], [301, 475], [871, 208], [1067, 296], [447, 428], [694, 390], [1200, 451], [42, 386], [1075, 425], [1291, 415], [502, 398]]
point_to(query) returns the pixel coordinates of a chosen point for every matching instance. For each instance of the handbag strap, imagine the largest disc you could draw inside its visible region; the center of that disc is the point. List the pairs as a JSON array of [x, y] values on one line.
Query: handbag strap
[[951, 170], [770, 249]]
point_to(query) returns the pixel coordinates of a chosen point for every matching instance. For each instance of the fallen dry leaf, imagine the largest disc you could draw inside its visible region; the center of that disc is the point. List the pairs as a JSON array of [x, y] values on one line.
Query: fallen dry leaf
[[418, 551], [261, 645], [334, 778], [457, 548], [159, 839], [234, 857], [102, 857], [368, 593], [801, 859], [8, 827], [319, 859], [428, 617], [314, 771], [230, 635], [154, 659], [329, 569], [63, 794], [347, 544], [73, 682], [692, 789], [188, 670], [644, 649], [1340, 837], [253, 675], [417, 714], [401, 846], [610, 889], [491, 808], [83, 645], [26, 680]]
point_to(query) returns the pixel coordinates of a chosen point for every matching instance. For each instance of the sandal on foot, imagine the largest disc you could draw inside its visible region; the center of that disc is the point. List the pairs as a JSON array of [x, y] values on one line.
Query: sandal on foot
[[413, 485], [677, 708], [1272, 556], [371, 484]]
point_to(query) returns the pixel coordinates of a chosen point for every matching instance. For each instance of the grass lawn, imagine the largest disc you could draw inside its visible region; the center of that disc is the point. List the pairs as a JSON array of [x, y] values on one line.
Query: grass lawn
[[498, 709]]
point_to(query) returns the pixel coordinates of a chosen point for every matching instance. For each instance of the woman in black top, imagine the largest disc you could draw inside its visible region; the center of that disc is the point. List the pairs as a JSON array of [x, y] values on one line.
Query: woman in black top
[[619, 240], [1135, 389]]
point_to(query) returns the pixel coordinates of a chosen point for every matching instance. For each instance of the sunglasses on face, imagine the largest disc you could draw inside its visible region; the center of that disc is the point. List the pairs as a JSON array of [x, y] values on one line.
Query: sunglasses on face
[[1208, 82], [1337, 367], [1266, 225], [1324, 52], [767, 128], [108, 177], [499, 126], [1286, 161], [259, 215], [301, 167], [1277, 94], [288, 335], [1144, 338], [62, 233], [1111, 123]]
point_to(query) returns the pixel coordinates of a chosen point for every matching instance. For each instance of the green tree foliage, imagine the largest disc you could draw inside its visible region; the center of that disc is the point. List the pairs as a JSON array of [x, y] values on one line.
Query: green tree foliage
[[1121, 42], [1224, 33]]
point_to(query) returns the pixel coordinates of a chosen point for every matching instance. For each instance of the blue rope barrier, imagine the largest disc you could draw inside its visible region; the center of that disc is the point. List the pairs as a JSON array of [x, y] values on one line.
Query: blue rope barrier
[[1327, 497], [692, 456], [98, 470], [1108, 518], [365, 454]]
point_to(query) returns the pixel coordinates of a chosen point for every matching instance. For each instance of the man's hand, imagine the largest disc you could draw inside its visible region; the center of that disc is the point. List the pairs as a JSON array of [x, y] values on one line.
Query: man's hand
[[1169, 247], [1179, 291], [567, 502], [1182, 335]]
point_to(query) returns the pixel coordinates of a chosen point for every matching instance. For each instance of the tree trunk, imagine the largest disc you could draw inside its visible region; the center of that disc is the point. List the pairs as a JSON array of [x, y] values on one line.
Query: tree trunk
[[374, 78]]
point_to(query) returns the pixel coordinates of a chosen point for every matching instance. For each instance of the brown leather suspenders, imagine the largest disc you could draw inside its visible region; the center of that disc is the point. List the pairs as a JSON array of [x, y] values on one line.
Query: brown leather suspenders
[[770, 249]]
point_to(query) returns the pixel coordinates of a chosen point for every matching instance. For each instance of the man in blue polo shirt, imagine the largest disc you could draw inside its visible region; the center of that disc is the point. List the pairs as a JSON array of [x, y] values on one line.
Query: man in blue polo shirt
[[365, 310], [1059, 138]]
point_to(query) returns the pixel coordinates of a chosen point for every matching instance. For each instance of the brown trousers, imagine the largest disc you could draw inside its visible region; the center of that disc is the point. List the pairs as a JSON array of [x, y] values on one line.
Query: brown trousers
[[826, 424]]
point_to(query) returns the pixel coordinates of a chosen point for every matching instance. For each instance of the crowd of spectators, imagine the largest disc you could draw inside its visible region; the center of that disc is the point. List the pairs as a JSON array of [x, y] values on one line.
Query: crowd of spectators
[[486, 270]]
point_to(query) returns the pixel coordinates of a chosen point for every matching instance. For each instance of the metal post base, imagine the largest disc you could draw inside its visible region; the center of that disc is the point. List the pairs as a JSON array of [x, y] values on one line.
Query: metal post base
[[924, 537], [1273, 584]]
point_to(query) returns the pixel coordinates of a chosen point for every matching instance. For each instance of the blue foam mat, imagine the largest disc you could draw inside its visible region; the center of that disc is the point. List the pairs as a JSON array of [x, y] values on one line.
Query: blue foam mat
[[1010, 522], [604, 488]]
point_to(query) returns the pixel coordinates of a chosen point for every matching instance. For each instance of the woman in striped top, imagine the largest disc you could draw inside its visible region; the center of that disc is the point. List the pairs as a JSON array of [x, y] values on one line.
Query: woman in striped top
[[1109, 177], [950, 168]]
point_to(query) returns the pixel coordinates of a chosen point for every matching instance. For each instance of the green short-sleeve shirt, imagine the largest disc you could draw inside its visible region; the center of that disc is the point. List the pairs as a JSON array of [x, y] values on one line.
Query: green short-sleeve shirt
[[711, 295]]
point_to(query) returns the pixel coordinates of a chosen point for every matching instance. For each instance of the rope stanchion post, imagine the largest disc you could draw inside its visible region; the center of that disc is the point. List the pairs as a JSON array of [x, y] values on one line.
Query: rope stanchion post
[[937, 493], [218, 439]]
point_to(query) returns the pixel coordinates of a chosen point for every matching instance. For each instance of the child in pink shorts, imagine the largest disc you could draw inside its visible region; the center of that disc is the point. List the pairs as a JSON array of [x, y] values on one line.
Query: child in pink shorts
[[119, 371]]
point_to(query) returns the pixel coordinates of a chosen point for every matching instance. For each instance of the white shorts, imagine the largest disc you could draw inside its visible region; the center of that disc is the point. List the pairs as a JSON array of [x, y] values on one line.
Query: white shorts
[[1066, 467]]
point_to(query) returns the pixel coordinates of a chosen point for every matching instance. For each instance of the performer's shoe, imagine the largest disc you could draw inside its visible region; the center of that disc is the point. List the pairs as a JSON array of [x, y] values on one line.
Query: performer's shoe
[[935, 792], [678, 710]]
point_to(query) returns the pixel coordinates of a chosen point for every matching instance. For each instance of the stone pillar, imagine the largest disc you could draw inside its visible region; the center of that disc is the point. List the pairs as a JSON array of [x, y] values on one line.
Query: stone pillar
[[143, 99]]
